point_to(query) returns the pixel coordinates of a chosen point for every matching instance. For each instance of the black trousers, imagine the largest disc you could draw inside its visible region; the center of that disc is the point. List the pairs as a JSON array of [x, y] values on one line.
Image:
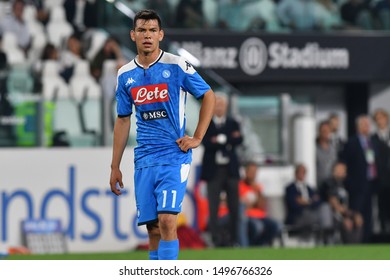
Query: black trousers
[[383, 198], [361, 201], [222, 180]]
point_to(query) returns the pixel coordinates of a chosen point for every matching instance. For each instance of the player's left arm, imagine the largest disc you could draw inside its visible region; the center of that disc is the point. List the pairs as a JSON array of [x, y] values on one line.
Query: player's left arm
[[205, 114]]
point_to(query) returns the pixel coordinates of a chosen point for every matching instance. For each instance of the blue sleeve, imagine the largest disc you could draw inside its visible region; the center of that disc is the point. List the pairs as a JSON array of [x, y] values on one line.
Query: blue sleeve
[[192, 82], [124, 106]]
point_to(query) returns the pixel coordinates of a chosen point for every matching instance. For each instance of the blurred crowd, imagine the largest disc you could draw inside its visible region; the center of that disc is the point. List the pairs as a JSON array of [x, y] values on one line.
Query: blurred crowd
[[272, 15], [32, 32], [42, 45], [64, 29], [347, 204], [353, 175]]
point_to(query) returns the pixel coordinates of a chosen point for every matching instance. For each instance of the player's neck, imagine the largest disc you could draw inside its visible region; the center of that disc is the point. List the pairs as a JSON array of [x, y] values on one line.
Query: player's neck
[[146, 59]]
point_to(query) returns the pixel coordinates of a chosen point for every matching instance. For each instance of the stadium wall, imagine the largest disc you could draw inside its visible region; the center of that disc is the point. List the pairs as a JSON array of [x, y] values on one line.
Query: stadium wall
[[72, 185]]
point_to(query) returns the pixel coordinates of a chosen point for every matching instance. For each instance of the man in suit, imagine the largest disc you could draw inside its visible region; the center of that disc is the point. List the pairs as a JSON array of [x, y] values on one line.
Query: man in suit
[[381, 140], [360, 156], [220, 167], [335, 138], [302, 202]]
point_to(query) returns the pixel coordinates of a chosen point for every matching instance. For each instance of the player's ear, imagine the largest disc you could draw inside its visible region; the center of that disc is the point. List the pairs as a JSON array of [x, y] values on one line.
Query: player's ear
[[161, 35], [132, 35]]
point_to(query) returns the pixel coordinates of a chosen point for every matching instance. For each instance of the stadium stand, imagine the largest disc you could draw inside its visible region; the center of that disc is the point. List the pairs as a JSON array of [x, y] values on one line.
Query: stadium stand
[[58, 29]]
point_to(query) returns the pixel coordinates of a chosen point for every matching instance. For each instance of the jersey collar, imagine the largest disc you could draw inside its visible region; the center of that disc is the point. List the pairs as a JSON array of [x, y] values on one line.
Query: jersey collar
[[151, 64]]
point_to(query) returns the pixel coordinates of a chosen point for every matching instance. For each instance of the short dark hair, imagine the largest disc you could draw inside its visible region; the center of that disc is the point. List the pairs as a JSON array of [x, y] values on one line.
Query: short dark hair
[[147, 15]]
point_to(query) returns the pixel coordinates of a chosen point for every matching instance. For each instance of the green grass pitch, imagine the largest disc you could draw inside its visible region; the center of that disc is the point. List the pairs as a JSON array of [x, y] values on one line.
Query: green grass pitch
[[345, 252]]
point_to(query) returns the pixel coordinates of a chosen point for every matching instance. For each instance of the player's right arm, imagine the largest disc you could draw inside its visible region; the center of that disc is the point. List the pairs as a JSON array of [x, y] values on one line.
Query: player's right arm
[[121, 135]]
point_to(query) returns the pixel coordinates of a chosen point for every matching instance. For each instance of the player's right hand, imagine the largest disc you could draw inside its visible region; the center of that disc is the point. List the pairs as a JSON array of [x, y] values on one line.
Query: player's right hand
[[116, 181]]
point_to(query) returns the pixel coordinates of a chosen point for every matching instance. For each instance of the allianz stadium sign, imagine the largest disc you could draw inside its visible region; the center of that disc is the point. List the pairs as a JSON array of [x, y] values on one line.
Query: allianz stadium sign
[[311, 56], [242, 57], [254, 56]]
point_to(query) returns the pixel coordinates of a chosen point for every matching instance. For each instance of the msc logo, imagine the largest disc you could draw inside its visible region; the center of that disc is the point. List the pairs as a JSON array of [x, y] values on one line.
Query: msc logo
[[253, 56], [154, 115], [150, 94]]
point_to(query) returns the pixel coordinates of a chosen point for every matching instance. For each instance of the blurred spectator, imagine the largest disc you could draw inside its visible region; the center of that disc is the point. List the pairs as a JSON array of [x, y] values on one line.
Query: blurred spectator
[[7, 132], [5, 7], [299, 15], [381, 140], [244, 15], [231, 15], [71, 55], [49, 52], [189, 14], [110, 50], [335, 193], [210, 11], [3, 56], [302, 203], [164, 10], [188, 236], [14, 23], [336, 140], [328, 15], [267, 12], [136, 5], [326, 154], [361, 159], [82, 14], [356, 14], [240, 15], [3, 67], [42, 13], [220, 167], [260, 228], [382, 11]]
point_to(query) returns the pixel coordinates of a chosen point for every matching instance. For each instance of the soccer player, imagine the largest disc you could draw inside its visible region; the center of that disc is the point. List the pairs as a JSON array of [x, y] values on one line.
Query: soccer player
[[156, 84]]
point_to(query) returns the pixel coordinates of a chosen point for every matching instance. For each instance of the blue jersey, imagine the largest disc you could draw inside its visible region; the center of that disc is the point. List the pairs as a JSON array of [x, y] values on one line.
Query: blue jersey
[[158, 95]]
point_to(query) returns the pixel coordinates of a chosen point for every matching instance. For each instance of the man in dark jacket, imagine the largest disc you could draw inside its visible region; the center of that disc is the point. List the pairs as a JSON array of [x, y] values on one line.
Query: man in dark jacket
[[302, 202], [361, 157], [220, 167], [381, 141]]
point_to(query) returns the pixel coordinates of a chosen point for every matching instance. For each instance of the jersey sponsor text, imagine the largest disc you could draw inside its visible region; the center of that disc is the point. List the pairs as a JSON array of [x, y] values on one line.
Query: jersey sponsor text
[[154, 115], [150, 94]]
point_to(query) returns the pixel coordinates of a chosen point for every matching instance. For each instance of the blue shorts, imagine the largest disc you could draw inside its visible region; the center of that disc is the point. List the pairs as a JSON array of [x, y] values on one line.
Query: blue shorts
[[159, 189]]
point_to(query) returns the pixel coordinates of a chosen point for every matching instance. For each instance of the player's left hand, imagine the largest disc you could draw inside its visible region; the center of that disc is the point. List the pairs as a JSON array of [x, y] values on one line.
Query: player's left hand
[[185, 143]]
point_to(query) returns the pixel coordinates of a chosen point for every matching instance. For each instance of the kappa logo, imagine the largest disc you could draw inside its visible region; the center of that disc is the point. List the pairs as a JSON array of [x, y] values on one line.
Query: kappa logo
[[130, 81], [188, 65], [150, 94]]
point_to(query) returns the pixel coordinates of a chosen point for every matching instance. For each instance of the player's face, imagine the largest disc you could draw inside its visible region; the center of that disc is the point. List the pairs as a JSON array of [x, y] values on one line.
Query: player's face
[[147, 36]]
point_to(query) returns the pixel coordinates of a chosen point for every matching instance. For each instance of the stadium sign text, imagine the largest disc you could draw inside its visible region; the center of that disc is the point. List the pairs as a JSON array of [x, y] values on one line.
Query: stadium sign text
[[253, 56], [88, 210]]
